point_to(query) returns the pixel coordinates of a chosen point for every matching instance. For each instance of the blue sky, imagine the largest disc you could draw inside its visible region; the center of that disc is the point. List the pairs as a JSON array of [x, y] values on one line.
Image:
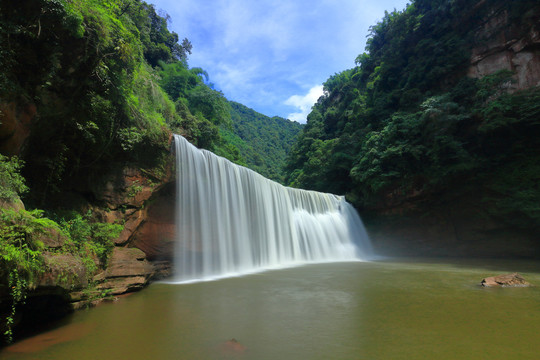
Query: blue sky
[[274, 55]]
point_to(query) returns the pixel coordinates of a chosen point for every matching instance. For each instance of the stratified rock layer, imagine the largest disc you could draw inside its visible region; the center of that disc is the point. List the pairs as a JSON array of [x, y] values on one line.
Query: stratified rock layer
[[127, 270], [505, 46]]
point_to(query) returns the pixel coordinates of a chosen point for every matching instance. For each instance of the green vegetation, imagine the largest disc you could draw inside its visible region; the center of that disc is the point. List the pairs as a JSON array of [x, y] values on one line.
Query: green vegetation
[[11, 182], [110, 84], [89, 83], [89, 68], [22, 249], [20, 257], [262, 141], [89, 239], [201, 107], [406, 120]]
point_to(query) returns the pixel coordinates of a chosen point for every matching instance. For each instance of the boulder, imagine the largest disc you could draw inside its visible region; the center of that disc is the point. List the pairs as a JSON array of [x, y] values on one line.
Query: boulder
[[507, 280], [123, 285], [14, 204], [63, 270], [52, 238], [130, 226]]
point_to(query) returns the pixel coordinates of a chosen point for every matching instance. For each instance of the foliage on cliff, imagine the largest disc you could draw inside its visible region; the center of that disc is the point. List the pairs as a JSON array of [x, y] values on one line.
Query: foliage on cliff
[[201, 107], [23, 241], [109, 81], [262, 141], [406, 121]]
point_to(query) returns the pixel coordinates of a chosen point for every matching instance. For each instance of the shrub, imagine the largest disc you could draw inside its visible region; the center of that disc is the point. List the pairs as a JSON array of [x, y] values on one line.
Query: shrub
[[11, 182]]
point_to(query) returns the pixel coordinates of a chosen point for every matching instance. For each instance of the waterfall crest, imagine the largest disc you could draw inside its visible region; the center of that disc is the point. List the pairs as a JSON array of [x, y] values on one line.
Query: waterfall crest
[[232, 221]]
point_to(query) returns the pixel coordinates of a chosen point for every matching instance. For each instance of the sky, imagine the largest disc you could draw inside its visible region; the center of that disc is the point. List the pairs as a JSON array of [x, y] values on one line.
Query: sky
[[274, 55]]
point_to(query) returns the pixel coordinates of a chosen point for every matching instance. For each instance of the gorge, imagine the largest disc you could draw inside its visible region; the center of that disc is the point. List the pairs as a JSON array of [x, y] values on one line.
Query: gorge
[[433, 137]]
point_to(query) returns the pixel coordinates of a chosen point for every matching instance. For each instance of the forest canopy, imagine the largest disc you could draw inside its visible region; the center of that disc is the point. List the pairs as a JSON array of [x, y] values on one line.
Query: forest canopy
[[407, 121]]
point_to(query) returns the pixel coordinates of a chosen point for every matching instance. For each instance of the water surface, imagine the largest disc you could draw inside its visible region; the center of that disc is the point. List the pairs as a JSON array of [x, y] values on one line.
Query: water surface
[[357, 310]]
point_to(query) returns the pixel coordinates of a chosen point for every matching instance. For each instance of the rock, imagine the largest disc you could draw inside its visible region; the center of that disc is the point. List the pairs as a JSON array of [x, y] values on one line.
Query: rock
[[232, 347], [52, 238], [157, 233], [14, 204], [503, 46], [129, 228], [15, 124], [508, 280], [63, 270], [126, 188], [126, 262], [128, 270], [163, 270], [118, 286]]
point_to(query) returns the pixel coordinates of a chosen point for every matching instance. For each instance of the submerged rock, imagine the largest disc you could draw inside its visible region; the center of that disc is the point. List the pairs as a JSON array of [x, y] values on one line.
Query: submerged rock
[[507, 280], [232, 347]]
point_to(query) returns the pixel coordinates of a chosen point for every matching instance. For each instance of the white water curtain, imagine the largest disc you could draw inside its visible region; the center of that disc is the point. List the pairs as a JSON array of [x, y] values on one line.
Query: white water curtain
[[233, 221]]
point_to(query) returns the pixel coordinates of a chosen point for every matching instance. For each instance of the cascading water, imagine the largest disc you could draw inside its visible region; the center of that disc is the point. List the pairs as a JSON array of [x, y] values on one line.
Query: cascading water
[[232, 221]]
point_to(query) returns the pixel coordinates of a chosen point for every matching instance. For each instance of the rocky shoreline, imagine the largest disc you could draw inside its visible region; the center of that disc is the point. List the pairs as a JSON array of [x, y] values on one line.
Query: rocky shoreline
[[144, 204]]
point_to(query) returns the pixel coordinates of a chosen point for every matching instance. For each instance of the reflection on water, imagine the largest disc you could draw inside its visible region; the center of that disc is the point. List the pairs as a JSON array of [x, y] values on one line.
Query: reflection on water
[[379, 310], [43, 341]]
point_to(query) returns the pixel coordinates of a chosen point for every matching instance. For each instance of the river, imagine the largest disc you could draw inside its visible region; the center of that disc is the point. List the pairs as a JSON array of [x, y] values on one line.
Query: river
[[388, 309]]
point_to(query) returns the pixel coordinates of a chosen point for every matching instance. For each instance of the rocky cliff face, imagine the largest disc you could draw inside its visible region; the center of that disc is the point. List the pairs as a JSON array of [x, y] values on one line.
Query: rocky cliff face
[[16, 118], [142, 200], [503, 45], [457, 220]]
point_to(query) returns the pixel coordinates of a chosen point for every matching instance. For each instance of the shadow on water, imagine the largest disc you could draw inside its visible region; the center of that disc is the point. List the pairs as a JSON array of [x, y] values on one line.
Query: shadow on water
[[63, 332], [498, 266]]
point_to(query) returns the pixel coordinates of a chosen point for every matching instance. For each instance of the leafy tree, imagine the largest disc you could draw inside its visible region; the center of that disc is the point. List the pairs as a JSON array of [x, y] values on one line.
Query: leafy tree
[[262, 141], [84, 64], [406, 120]]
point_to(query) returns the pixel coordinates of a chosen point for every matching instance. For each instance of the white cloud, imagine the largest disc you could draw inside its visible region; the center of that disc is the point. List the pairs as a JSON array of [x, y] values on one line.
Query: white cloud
[[304, 103], [261, 53]]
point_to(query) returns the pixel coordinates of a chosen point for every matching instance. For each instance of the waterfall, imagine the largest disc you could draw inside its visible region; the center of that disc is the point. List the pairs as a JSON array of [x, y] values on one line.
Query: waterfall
[[232, 221]]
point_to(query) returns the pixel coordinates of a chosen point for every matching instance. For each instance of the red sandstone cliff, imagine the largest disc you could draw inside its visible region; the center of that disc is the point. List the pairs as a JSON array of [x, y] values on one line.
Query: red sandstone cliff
[[15, 125], [502, 45]]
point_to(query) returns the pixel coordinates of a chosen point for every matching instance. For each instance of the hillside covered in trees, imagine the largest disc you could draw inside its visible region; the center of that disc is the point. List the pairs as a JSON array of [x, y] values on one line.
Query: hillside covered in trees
[[264, 142], [440, 116], [105, 82]]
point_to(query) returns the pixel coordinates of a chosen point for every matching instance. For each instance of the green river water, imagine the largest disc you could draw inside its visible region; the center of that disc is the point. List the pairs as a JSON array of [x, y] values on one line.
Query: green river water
[[392, 309]]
